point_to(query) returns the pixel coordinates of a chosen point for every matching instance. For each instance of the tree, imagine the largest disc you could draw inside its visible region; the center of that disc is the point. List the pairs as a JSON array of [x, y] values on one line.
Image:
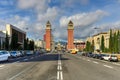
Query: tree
[[7, 42], [3, 45], [115, 43], [31, 45], [102, 44], [28, 44], [14, 41], [89, 47], [25, 44], [118, 41], [111, 42]]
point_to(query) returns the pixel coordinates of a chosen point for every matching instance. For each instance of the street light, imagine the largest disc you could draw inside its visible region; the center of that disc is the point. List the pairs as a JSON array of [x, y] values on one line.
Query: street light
[[96, 28]]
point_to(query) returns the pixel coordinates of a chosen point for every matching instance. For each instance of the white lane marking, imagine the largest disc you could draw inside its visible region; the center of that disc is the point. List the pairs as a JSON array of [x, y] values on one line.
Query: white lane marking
[[88, 60], [16, 62], [61, 75], [108, 66], [2, 66], [95, 62], [59, 69], [58, 73], [117, 64], [20, 73]]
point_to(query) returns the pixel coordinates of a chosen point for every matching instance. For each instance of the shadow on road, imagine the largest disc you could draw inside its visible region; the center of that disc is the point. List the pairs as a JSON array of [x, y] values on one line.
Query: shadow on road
[[36, 58]]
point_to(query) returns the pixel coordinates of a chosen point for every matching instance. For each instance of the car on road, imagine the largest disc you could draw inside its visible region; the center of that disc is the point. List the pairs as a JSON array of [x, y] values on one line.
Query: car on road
[[101, 56], [22, 53], [110, 57], [15, 54], [4, 56], [28, 52]]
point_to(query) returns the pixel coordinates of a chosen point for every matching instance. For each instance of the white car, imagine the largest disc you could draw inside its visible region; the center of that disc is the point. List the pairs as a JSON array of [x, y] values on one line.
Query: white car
[[15, 54], [4, 55], [110, 57]]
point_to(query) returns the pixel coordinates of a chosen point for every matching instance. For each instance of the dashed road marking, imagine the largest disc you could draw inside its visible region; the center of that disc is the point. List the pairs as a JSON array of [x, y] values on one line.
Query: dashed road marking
[[16, 62], [59, 69], [61, 75], [95, 62], [117, 64], [2, 66], [58, 73], [108, 66], [88, 60]]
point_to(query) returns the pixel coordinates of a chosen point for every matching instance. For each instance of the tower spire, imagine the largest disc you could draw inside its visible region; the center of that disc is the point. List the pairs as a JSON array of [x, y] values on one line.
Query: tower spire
[[70, 25], [48, 25]]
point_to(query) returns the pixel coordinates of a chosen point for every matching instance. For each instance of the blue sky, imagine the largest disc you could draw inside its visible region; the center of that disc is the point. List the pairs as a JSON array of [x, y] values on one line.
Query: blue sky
[[85, 14]]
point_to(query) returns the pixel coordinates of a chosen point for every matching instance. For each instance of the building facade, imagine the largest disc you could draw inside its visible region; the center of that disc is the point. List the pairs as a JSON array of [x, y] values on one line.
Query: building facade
[[39, 44], [70, 44], [96, 39], [79, 44], [12, 31], [2, 40]]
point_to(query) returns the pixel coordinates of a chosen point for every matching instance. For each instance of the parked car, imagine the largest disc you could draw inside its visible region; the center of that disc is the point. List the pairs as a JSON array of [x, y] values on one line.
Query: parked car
[[73, 51], [4, 56], [15, 54], [22, 53], [28, 52], [94, 55], [101, 56], [90, 54], [110, 57]]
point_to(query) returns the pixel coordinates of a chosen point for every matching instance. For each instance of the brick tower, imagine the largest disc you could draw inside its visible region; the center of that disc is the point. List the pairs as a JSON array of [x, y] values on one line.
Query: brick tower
[[70, 44], [48, 36]]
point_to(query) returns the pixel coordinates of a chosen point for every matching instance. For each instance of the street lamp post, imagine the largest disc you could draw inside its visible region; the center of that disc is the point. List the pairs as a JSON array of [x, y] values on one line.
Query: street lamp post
[[96, 28]]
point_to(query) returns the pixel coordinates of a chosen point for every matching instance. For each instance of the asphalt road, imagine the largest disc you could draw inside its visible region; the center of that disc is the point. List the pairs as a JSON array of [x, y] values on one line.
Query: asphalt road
[[59, 66]]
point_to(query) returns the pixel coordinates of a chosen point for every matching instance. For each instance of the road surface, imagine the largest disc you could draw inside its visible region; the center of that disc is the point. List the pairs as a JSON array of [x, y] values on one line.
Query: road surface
[[59, 66]]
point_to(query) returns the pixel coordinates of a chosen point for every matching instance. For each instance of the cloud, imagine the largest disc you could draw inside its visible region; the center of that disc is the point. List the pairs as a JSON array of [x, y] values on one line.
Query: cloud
[[43, 13], [39, 5], [107, 26], [73, 2], [83, 19], [83, 23], [50, 14]]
